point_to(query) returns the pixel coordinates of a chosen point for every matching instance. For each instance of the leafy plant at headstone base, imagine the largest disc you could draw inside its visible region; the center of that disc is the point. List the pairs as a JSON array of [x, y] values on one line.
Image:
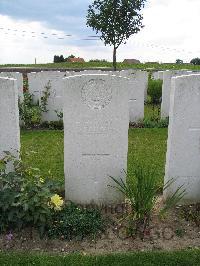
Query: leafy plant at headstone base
[[155, 92], [55, 125], [149, 123], [30, 112], [45, 97], [142, 191], [76, 222], [26, 197]]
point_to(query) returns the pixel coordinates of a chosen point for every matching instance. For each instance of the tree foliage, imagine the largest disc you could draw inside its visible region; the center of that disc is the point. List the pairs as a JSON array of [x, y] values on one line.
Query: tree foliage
[[116, 20], [179, 61], [195, 61], [58, 59]]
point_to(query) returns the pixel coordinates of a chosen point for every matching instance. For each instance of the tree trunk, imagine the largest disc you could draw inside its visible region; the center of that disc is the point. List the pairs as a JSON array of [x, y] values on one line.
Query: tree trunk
[[115, 58]]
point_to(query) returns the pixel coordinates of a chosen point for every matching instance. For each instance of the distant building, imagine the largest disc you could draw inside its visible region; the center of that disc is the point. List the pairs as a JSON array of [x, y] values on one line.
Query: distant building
[[131, 61], [76, 60], [152, 63]]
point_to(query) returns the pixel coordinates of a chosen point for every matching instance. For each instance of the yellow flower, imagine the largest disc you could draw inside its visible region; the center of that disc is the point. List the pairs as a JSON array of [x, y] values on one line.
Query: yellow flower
[[41, 180], [57, 202]]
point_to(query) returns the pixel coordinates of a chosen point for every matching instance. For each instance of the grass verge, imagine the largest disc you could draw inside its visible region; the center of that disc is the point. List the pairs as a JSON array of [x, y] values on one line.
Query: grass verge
[[182, 258]]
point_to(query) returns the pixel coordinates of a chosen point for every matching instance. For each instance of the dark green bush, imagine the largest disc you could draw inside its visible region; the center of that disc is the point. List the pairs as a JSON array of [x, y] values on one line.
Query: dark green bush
[[55, 125], [76, 222], [151, 123], [155, 91], [195, 61]]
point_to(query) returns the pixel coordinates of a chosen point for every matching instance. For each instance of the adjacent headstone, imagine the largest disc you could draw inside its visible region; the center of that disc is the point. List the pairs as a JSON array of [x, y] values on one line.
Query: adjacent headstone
[[166, 89], [96, 124], [19, 77], [48, 83], [137, 93], [9, 117], [157, 75], [183, 149]]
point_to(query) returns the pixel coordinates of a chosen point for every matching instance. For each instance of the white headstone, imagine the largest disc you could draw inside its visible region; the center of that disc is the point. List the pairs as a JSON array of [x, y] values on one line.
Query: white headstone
[[19, 77], [183, 153], [9, 117], [166, 89], [96, 124], [158, 75], [33, 85], [137, 92], [48, 81]]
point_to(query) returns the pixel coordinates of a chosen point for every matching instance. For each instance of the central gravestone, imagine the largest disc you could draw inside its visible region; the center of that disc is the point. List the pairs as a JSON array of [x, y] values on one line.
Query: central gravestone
[[96, 121]]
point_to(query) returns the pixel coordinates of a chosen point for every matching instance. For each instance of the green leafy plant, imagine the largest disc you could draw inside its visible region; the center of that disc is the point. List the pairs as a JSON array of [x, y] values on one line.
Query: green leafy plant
[[76, 222], [155, 90], [142, 191], [155, 93], [45, 97], [25, 197], [54, 125], [30, 112]]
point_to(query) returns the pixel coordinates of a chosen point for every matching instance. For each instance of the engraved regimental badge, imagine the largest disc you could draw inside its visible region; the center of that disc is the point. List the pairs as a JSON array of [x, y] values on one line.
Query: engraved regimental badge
[[96, 94]]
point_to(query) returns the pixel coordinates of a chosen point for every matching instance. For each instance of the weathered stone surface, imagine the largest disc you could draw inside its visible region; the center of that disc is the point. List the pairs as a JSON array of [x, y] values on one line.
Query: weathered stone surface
[[158, 75], [96, 137], [9, 117], [166, 89], [19, 77], [137, 93], [51, 82], [183, 153]]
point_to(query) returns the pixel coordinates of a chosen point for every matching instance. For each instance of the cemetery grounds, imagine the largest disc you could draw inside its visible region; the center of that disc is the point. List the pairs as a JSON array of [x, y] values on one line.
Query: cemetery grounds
[[178, 230]]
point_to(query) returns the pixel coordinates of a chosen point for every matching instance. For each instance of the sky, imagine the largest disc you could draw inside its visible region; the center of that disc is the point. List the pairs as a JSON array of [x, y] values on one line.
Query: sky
[[32, 29]]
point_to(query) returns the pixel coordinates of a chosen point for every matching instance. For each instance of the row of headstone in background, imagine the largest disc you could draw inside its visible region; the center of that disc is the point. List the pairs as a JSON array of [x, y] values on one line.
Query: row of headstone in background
[[19, 77], [38, 83], [157, 75], [9, 117], [166, 89]]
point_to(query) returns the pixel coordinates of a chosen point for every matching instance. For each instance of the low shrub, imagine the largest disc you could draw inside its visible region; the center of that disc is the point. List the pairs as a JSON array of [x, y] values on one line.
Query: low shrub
[[155, 91], [151, 123], [25, 197], [55, 125], [30, 112], [76, 222]]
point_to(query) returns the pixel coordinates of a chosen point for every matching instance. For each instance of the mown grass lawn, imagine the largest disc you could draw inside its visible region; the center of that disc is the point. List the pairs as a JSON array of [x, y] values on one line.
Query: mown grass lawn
[[178, 258], [44, 150]]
